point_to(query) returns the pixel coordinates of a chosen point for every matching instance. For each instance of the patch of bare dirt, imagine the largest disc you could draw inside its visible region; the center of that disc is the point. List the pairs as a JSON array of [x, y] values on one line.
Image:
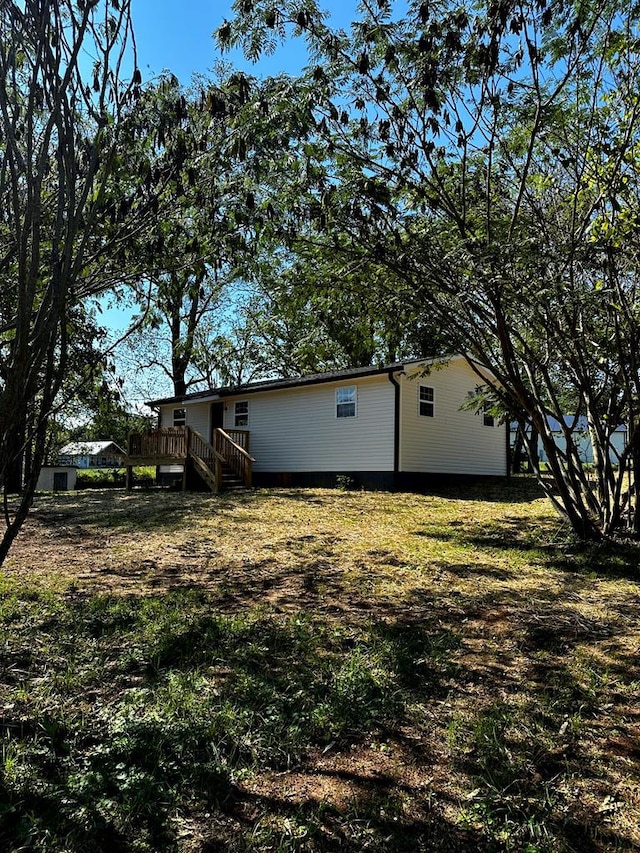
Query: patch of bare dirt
[[529, 638]]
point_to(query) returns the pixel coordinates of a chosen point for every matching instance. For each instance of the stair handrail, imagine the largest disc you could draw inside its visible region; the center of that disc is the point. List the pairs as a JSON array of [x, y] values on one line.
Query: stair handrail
[[208, 446], [206, 454], [213, 478], [228, 438], [237, 458]]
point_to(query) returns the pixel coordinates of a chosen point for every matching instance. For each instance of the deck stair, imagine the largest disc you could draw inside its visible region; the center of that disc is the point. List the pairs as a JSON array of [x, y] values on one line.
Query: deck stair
[[230, 480], [204, 471], [225, 464]]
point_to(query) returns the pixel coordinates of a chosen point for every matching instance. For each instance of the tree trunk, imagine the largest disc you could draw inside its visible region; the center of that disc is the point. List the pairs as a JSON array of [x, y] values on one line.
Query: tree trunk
[[13, 478]]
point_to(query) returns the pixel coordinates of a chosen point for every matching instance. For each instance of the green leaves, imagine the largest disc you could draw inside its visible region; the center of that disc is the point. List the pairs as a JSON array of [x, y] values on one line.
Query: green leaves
[[223, 34], [484, 158]]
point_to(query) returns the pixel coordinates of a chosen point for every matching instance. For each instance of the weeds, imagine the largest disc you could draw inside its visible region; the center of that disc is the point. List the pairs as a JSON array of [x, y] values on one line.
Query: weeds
[[194, 703], [389, 673]]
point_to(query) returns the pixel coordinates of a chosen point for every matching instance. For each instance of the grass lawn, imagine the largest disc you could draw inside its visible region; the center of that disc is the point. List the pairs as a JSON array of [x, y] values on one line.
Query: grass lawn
[[317, 670]]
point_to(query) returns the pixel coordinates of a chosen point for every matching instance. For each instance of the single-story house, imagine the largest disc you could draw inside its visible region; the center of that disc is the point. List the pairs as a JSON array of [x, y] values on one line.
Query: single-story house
[[580, 429], [57, 478], [398, 425], [92, 454]]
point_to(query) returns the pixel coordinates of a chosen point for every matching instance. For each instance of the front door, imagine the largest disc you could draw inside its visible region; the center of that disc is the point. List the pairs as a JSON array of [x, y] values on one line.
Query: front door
[[60, 481], [217, 418]]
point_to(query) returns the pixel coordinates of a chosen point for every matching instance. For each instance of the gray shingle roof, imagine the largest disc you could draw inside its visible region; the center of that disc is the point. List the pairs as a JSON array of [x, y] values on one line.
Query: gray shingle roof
[[290, 382]]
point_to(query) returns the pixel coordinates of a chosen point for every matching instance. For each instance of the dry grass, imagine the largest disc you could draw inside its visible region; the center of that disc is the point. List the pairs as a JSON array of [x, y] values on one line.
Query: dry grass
[[489, 668]]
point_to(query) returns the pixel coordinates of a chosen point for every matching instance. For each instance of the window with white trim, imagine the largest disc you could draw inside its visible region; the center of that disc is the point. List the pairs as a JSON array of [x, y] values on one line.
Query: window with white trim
[[179, 417], [488, 419], [347, 402], [426, 401], [241, 413]]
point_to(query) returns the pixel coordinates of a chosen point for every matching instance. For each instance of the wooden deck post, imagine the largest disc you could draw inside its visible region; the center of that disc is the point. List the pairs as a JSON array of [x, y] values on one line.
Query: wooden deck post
[[185, 467], [128, 477]]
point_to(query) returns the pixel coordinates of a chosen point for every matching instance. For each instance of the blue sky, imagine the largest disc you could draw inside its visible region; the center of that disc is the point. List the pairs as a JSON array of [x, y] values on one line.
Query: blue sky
[[177, 36]]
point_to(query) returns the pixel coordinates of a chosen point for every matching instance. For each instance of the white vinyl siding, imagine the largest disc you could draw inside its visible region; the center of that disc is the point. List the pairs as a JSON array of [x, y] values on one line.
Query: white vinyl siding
[[165, 416], [296, 429], [452, 441], [197, 417]]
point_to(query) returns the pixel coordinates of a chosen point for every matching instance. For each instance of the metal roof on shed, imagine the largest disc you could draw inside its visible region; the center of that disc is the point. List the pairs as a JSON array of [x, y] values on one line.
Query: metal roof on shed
[[90, 448]]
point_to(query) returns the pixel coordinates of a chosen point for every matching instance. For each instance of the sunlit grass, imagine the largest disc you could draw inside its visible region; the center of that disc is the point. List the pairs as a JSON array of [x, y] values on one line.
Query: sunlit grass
[[316, 670]]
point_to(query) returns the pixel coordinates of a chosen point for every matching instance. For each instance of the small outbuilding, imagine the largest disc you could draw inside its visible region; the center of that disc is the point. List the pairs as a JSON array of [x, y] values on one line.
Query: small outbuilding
[[57, 478], [92, 454], [578, 427]]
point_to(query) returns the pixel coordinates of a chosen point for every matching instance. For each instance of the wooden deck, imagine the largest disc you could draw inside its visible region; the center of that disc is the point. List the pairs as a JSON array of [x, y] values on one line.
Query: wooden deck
[[227, 461]]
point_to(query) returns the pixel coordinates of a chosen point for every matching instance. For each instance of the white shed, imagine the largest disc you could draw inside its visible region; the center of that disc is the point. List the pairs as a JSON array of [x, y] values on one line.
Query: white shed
[[57, 478]]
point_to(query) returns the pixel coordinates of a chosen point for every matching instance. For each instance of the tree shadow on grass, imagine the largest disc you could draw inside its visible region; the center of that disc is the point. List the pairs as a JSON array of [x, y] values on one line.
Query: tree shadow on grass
[[535, 747], [73, 515], [374, 821], [300, 703], [263, 669], [113, 781], [70, 515], [554, 543]]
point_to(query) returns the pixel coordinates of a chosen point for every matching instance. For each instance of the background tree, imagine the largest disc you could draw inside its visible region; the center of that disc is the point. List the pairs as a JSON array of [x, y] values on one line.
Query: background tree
[[63, 213], [487, 158], [85, 365], [341, 310], [108, 418], [210, 177], [313, 299], [187, 245]]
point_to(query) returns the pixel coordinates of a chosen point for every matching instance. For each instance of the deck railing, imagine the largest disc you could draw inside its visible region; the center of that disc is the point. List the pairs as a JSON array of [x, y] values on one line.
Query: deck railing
[[206, 454], [239, 437], [168, 444], [201, 447]]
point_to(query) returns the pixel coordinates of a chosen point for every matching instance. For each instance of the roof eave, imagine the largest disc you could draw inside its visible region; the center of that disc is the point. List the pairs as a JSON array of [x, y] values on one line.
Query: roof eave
[[298, 382]]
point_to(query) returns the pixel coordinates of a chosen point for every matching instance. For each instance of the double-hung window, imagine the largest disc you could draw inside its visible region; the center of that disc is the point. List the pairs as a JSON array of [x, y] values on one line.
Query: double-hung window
[[487, 419], [179, 417], [241, 413], [426, 401], [347, 402]]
